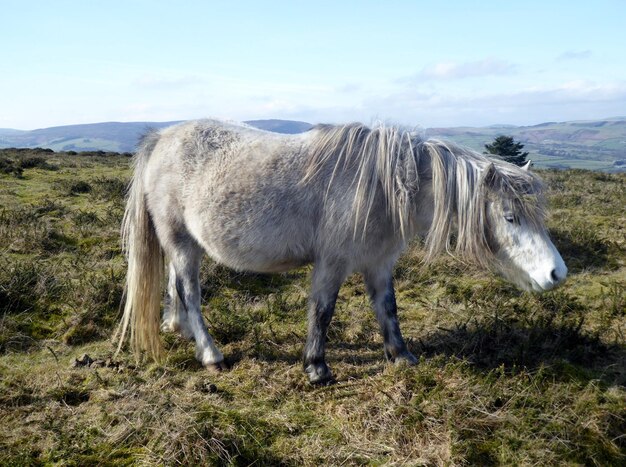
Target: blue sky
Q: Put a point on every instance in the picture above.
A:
(422, 63)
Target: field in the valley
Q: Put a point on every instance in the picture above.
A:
(504, 377)
(592, 145)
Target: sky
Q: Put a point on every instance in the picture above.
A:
(418, 63)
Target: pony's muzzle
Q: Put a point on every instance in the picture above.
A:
(558, 274)
(556, 277)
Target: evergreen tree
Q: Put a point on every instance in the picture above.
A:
(506, 148)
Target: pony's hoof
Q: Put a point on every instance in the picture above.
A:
(406, 359)
(168, 326)
(210, 358)
(175, 327)
(217, 367)
(319, 374)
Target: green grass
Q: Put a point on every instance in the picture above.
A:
(504, 377)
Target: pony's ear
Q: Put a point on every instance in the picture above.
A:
(527, 165)
(489, 176)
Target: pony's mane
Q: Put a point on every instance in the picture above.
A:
(398, 161)
(380, 157)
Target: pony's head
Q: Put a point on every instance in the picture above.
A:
(516, 233)
(491, 213)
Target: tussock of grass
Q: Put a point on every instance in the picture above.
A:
(504, 377)
(37, 162)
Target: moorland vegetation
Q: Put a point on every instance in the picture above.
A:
(504, 377)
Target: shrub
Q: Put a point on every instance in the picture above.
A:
(54, 242)
(83, 218)
(80, 187)
(109, 188)
(37, 162)
(7, 166)
(29, 290)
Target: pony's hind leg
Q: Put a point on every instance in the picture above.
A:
(380, 289)
(184, 283)
(174, 314)
(325, 285)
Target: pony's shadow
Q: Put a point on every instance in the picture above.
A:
(215, 278)
(358, 354)
(566, 352)
(581, 249)
(569, 351)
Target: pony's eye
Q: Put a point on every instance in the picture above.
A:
(510, 218)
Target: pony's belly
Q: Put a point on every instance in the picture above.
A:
(248, 261)
(259, 240)
(262, 255)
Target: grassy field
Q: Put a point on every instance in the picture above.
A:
(504, 377)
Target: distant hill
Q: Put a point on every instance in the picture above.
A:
(109, 136)
(281, 126)
(9, 131)
(112, 136)
(593, 144)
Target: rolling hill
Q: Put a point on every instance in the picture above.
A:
(593, 144)
(111, 136)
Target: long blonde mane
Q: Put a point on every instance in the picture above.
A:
(398, 161)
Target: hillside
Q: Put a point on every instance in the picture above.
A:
(593, 145)
(111, 136)
(504, 377)
(596, 145)
(280, 126)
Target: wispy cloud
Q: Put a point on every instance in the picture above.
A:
(565, 101)
(455, 70)
(574, 55)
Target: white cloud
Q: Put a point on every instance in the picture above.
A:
(525, 106)
(455, 70)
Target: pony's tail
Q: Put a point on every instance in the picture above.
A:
(144, 255)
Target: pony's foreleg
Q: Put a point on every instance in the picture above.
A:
(383, 298)
(325, 285)
(174, 313)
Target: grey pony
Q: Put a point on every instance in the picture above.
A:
(346, 198)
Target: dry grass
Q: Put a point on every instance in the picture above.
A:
(504, 378)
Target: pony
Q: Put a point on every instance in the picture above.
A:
(346, 198)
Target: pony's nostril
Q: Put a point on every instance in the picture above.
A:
(553, 275)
